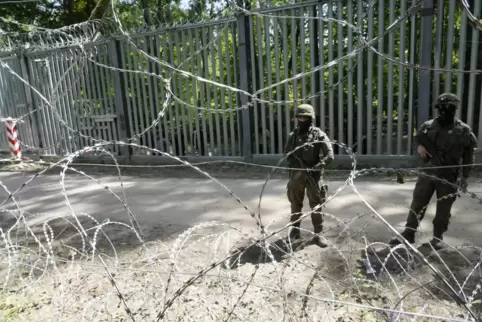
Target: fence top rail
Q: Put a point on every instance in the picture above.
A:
(288, 6)
(296, 5)
(87, 46)
(167, 29)
(7, 55)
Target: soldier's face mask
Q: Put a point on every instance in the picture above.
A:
(447, 113)
(304, 123)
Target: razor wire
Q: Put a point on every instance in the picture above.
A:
(195, 284)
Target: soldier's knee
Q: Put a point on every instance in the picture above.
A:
(418, 206)
(442, 219)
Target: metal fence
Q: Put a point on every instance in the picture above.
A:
(110, 89)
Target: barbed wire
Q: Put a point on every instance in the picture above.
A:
(203, 275)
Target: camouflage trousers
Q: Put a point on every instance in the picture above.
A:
(423, 192)
(298, 183)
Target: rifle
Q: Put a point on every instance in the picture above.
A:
(323, 188)
(437, 158)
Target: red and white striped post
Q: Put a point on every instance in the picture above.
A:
(11, 127)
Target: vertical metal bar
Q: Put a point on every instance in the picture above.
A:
(141, 92)
(269, 78)
(192, 50)
(214, 69)
(360, 84)
(89, 98)
(302, 53)
(44, 79)
(53, 101)
(294, 63)
(106, 108)
(21, 99)
(438, 51)
(182, 129)
(369, 132)
(341, 108)
(278, 88)
(133, 107)
(43, 131)
(70, 64)
(473, 65)
(401, 83)
(390, 82)
(260, 30)
(254, 84)
(82, 99)
(321, 51)
(331, 112)
(350, 119)
(381, 83)
(174, 107)
(411, 84)
(461, 55)
(223, 91)
(30, 103)
(164, 133)
(425, 61)
(146, 66)
(450, 46)
(9, 99)
(128, 89)
(286, 96)
(311, 26)
(157, 105)
(201, 93)
(244, 85)
(136, 90)
(208, 87)
(105, 93)
(6, 110)
(237, 115)
(188, 127)
(3, 110)
(110, 85)
(98, 92)
(120, 94)
(61, 99)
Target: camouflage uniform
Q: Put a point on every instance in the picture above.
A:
(315, 156)
(454, 143)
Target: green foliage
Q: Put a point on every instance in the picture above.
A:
(280, 46)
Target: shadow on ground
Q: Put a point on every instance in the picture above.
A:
(276, 251)
(457, 269)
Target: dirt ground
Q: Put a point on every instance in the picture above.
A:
(174, 245)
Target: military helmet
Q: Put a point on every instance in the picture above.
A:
(447, 99)
(306, 110)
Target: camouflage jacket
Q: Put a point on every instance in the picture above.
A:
(320, 153)
(454, 145)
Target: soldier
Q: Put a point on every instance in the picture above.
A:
(443, 141)
(312, 157)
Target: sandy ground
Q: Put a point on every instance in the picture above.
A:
(188, 222)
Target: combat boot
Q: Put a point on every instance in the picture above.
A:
(437, 240)
(319, 240)
(408, 234)
(295, 228)
(437, 243)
